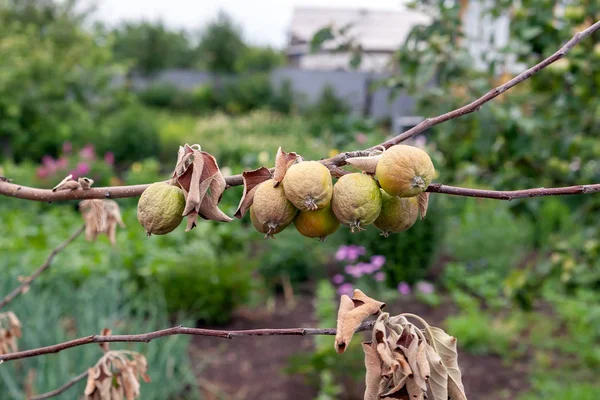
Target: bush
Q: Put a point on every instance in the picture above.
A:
(132, 134)
(245, 93)
(61, 311)
(408, 254)
(162, 95)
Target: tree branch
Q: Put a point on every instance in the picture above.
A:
(178, 330)
(513, 194)
(61, 389)
(27, 281)
(333, 163)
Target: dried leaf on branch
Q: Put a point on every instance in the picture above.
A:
(101, 217)
(10, 331)
(423, 204)
(283, 161)
(251, 181)
(401, 361)
(366, 164)
(352, 312)
(116, 376)
(203, 184)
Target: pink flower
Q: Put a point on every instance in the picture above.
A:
(404, 288)
(353, 252)
(379, 277)
(62, 163)
(88, 153)
(425, 287)
(67, 147)
(48, 161)
(338, 279)
(109, 158)
(345, 288)
(42, 172)
(82, 169)
(361, 138)
(377, 262)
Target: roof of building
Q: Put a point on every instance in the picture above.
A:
(379, 30)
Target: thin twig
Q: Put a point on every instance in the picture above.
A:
(27, 281)
(178, 330)
(333, 163)
(61, 389)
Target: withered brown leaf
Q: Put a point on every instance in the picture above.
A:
(415, 392)
(101, 217)
(283, 161)
(422, 362)
(366, 164)
(67, 184)
(351, 314)
(373, 375)
(446, 348)
(423, 204)
(251, 181)
(203, 184)
(438, 381)
(411, 355)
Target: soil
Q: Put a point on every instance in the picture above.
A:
(251, 368)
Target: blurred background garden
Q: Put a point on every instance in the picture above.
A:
(517, 282)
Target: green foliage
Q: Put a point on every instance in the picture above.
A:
(556, 389)
(131, 134)
(60, 311)
(245, 93)
(55, 78)
(221, 44)
(259, 59)
(150, 47)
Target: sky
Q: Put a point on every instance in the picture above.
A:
(264, 22)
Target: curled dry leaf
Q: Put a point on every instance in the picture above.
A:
(352, 312)
(10, 331)
(411, 353)
(445, 346)
(116, 376)
(422, 362)
(251, 181)
(283, 161)
(373, 375)
(85, 183)
(366, 164)
(101, 217)
(423, 204)
(203, 184)
(67, 184)
(438, 381)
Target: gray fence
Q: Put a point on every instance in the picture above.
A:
(355, 88)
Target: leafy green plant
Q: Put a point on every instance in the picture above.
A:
(63, 311)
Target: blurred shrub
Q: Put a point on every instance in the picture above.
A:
(329, 105)
(59, 311)
(132, 134)
(291, 255)
(145, 171)
(162, 95)
(408, 254)
(283, 100)
(245, 93)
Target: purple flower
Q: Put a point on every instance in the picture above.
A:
(377, 262)
(338, 279)
(67, 147)
(365, 268)
(341, 253)
(42, 172)
(404, 288)
(345, 288)
(353, 252)
(379, 277)
(109, 158)
(353, 270)
(48, 161)
(87, 153)
(425, 287)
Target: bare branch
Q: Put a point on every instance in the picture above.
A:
(27, 281)
(513, 194)
(178, 330)
(61, 389)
